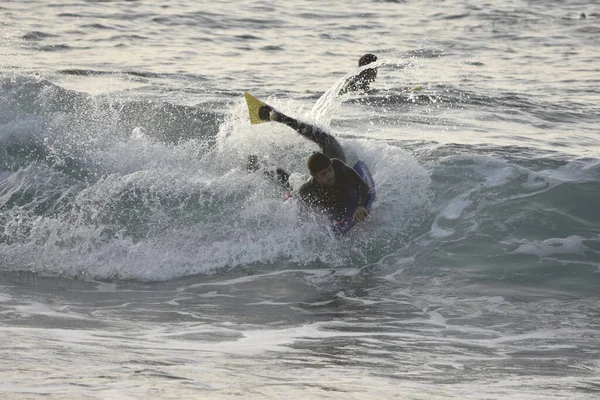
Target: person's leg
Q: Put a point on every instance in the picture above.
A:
(279, 175)
(328, 144)
(282, 177)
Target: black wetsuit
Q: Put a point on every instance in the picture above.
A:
(348, 183)
(361, 82)
(328, 144)
(334, 199)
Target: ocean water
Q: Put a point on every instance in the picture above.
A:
(139, 259)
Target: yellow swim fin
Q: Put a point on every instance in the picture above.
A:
(259, 111)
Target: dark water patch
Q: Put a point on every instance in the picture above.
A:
(81, 72)
(146, 74)
(30, 96)
(562, 211)
(160, 375)
(37, 35)
(55, 47)
(529, 157)
(43, 103)
(122, 37)
(28, 119)
(130, 212)
(342, 37)
(453, 16)
(167, 122)
(332, 16)
(382, 100)
(38, 321)
(591, 30)
(205, 20)
(133, 211)
(512, 16)
(75, 32)
(162, 20)
(243, 48)
(354, 27)
(247, 37)
(97, 26)
(441, 94)
(557, 221)
(561, 114)
(254, 24)
(502, 104)
(202, 39)
(261, 8)
(18, 154)
(272, 48)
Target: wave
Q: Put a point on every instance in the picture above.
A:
(128, 187)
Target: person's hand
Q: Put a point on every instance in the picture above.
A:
(360, 214)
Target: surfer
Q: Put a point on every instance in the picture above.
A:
(332, 181)
(363, 80)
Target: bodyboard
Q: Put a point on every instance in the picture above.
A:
(254, 106)
(341, 226)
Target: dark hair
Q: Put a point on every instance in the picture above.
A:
(317, 162)
(367, 59)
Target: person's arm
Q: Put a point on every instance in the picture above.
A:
(360, 82)
(362, 189)
(358, 182)
(351, 85)
(360, 213)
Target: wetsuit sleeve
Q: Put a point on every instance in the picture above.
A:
(354, 179)
(357, 83)
(351, 86)
(310, 132)
(328, 144)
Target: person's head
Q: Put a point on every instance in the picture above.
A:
(321, 169)
(367, 59)
(368, 74)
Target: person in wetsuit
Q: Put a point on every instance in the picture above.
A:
(363, 80)
(332, 181)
